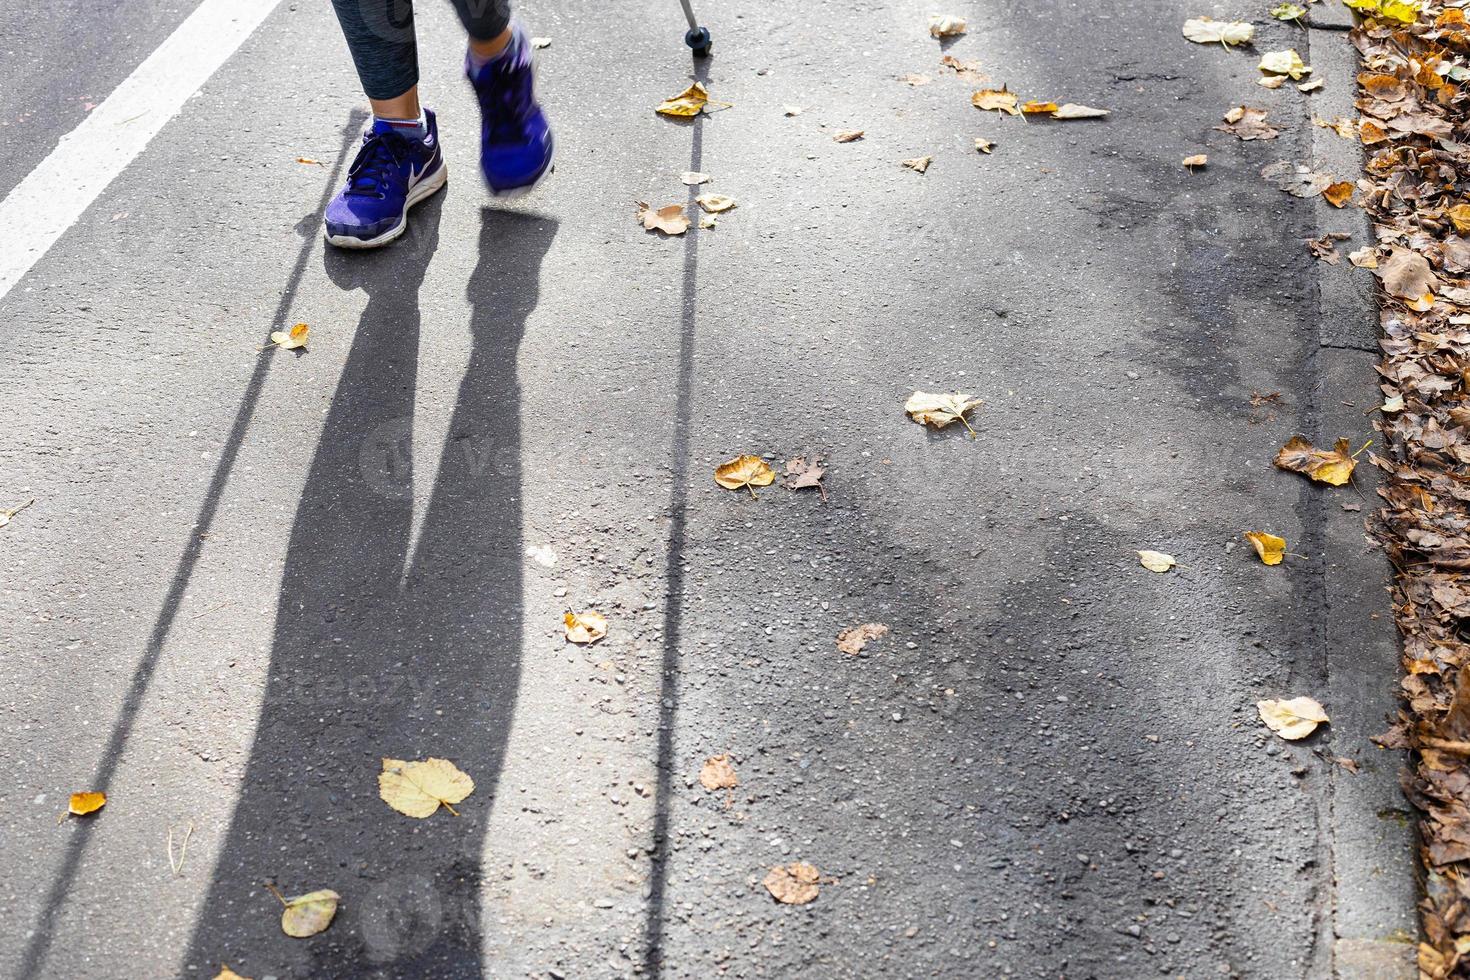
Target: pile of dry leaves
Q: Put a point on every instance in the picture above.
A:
(1415, 123)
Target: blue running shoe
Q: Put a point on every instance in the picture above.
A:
(391, 174)
(516, 147)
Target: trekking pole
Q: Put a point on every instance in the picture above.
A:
(696, 37)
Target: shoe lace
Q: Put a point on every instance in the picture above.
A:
(381, 156)
(505, 100)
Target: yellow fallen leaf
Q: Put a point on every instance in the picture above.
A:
(997, 99)
(416, 789)
(1334, 466)
(225, 973)
(945, 25)
(1365, 257)
(1272, 82)
(1289, 11)
(1338, 194)
(1391, 405)
(918, 164)
(690, 102)
(744, 472)
(1198, 160)
(984, 146)
(82, 804)
(585, 627)
(1286, 62)
(307, 915)
(847, 135)
(296, 337)
(717, 773)
(1294, 719)
(1460, 215)
(939, 409)
(310, 161)
(1206, 30)
(793, 884)
(714, 203)
(1402, 11)
(1268, 546)
(1310, 86)
(1072, 110)
(1032, 108)
(852, 641)
(669, 219)
(1156, 561)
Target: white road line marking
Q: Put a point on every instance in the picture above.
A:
(50, 199)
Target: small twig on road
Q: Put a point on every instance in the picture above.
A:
(227, 602)
(178, 866)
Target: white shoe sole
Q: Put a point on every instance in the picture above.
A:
(421, 190)
(523, 191)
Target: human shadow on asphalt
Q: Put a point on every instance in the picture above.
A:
(390, 640)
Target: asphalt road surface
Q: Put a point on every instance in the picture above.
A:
(249, 575)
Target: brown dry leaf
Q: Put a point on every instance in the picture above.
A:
(847, 135)
(1345, 128)
(968, 71)
(1365, 257)
(1268, 546)
(793, 884)
(715, 203)
(1294, 719)
(939, 409)
(306, 915)
(1248, 123)
(1460, 215)
(1272, 82)
(1325, 248)
(1338, 194)
(744, 473)
(1072, 110)
(693, 178)
(584, 627)
(1198, 160)
(669, 219)
(852, 641)
(984, 146)
(225, 973)
(717, 773)
(946, 25)
(996, 99)
(291, 339)
(1156, 561)
(82, 804)
(1334, 466)
(917, 164)
(1407, 274)
(801, 474)
(690, 102)
(417, 789)
(1207, 30)
(1295, 179)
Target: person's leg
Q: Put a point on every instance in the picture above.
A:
(400, 162)
(516, 147)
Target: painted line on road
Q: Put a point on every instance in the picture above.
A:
(51, 198)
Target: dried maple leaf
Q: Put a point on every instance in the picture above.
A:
(291, 339)
(1294, 719)
(669, 219)
(1459, 215)
(1286, 62)
(984, 146)
(1407, 274)
(1334, 466)
(1268, 546)
(1198, 160)
(793, 884)
(996, 99)
(847, 135)
(1295, 179)
(917, 164)
(939, 409)
(1206, 30)
(307, 915)
(584, 627)
(82, 804)
(417, 789)
(801, 474)
(1248, 123)
(714, 203)
(717, 773)
(852, 641)
(946, 25)
(690, 102)
(1156, 561)
(745, 472)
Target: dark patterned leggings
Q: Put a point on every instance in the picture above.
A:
(380, 36)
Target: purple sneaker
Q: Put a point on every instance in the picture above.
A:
(516, 147)
(391, 174)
